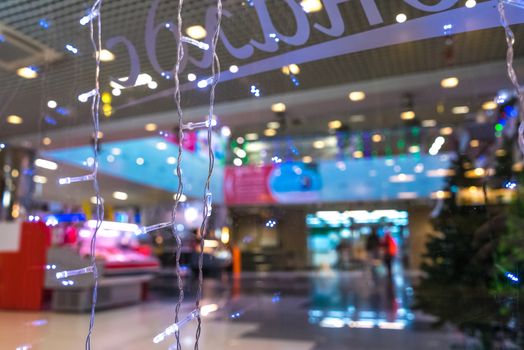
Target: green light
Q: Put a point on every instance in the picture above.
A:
(499, 127)
(401, 143)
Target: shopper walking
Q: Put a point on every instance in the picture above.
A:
(373, 250)
(390, 251)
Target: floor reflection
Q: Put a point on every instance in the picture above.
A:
(291, 310)
(361, 300)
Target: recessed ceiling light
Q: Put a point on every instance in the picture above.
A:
(319, 144)
(294, 69)
(460, 110)
(407, 115)
(358, 118)
(429, 123)
(471, 3)
(161, 146)
(335, 124)
(278, 107)
(474, 143)
(501, 152)
(225, 131)
(27, 72)
(171, 160)
(251, 136)
(237, 162)
(121, 196)
(240, 153)
(39, 179)
(233, 69)
(14, 119)
(449, 83)
(376, 138)
(116, 92)
(151, 127)
(94, 200)
(152, 85)
(414, 149)
(401, 18)
(310, 6)
(446, 131)
(46, 141)
(202, 84)
(307, 159)
(116, 151)
(273, 125)
(46, 164)
(358, 154)
(441, 195)
(196, 32)
(191, 77)
(52, 104)
(106, 56)
(270, 132)
(140, 161)
(356, 96)
(182, 199)
(489, 105)
(110, 158)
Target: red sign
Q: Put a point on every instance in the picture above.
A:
(248, 185)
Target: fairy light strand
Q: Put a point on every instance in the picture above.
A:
(215, 75)
(180, 189)
(510, 40)
(95, 108)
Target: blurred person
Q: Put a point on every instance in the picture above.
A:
(373, 250)
(390, 250)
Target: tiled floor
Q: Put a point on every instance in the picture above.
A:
(275, 311)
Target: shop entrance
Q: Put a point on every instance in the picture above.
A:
(338, 239)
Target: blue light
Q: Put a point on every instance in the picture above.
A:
(2, 38)
(255, 91)
(294, 80)
(510, 111)
(235, 315)
(71, 49)
(271, 223)
(502, 96)
(49, 120)
(62, 111)
(44, 23)
(69, 217)
(512, 277)
(276, 298)
(167, 76)
(510, 185)
(274, 37)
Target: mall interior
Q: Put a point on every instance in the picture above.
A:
(231, 174)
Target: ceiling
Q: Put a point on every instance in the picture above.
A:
(387, 72)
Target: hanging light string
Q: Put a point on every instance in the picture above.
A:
(180, 190)
(93, 176)
(95, 108)
(510, 40)
(215, 75)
